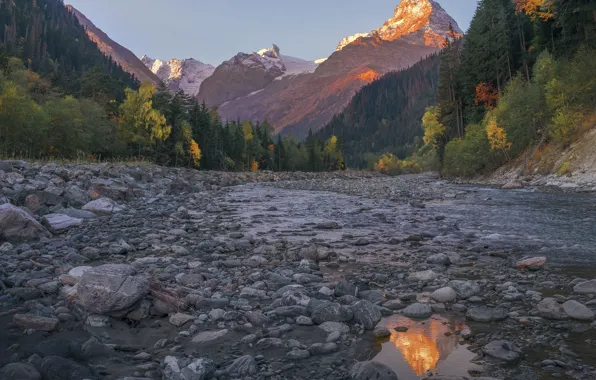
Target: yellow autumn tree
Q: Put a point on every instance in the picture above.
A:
(140, 124)
(254, 166)
(543, 9)
(187, 146)
(497, 137)
(433, 129)
(195, 152)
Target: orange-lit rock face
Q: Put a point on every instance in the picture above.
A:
(368, 75)
(410, 16)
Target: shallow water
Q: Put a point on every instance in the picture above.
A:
(429, 345)
(559, 226)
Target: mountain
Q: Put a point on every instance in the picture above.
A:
(186, 75)
(245, 74)
(124, 57)
(306, 101)
(385, 115)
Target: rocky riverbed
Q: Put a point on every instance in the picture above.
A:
(124, 272)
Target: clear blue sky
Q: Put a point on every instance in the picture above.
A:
(215, 30)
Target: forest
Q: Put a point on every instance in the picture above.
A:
(60, 97)
(523, 77)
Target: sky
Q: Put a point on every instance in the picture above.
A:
(213, 31)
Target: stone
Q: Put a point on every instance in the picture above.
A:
(418, 310)
(111, 287)
(57, 368)
(291, 311)
(325, 311)
(371, 371)
(298, 355)
(427, 275)
(19, 371)
(304, 321)
(209, 336)
(180, 319)
(374, 296)
(78, 214)
(366, 313)
(439, 259)
(32, 202)
(549, 308)
(502, 350)
(578, 311)
(322, 348)
(330, 327)
(17, 226)
(187, 368)
(103, 206)
(345, 288)
(381, 332)
(464, 289)
(329, 225)
(394, 305)
(444, 295)
(513, 185)
(586, 287)
(486, 314)
(30, 321)
(532, 263)
(243, 366)
(58, 223)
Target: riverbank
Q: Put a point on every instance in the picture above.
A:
(154, 272)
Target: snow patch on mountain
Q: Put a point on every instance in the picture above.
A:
(414, 21)
(186, 74)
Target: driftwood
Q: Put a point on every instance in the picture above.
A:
(158, 291)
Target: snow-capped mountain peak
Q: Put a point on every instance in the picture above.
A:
(414, 21)
(186, 74)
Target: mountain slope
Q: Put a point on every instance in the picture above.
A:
(186, 75)
(244, 74)
(119, 53)
(385, 116)
(309, 101)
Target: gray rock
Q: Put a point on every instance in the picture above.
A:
(346, 288)
(187, 368)
(330, 327)
(578, 311)
(291, 311)
(371, 371)
(17, 226)
(427, 275)
(549, 308)
(502, 350)
(304, 321)
(103, 206)
(439, 259)
(19, 371)
(487, 314)
(418, 310)
(325, 311)
(465, 289)
(180, 319)
(298, 355)
(57, 368)
(31, 321)
(322, 348)
(381, 332)
(394, 305)
(209, 336)
(243, 366)
(58, 223)
(366, 313)
(373, 296)
(111, 287)
(586, 287)
(78, 214)
(444, 295)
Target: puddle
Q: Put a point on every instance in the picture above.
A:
(429, 345)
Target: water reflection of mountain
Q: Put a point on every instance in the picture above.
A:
(425, 344)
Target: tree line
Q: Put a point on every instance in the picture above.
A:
(523, 76)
